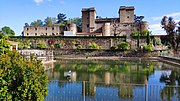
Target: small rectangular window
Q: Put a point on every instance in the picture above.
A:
(35, 28)
(53, 28)
(46, 34)
(27, 34)
(35, 34)
(27, 28)
(87, 25)
(46, 28)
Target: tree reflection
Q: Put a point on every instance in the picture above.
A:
(171, 80)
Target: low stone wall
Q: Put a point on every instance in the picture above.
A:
(90, 52)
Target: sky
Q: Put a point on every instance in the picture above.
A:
(15, 13)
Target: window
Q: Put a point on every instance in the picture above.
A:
(52, 33)
(46, 28)
(35, 34)
(35, 28)
(27, 34)
(27, 28)
(46, 34)
(56, 33)
(128, 17)
(87, 25)
(52, 28)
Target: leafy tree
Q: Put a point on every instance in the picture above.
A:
(169, 26)
(78, 22)
(22, 79)
(49, 21)
(61, 18)
(123, 46)
(137, 33)
(138, 18)
(25, 44)
(37, 23)
(26, 24)
(7, 31)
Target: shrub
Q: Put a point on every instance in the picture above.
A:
(93, 46)
(123, 46)
(41, 45)
(4, 46)
(22, 79)
(148, 48)
(59, 44)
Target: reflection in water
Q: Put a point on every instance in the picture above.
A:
(123, 73)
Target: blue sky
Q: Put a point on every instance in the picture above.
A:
(14, 13)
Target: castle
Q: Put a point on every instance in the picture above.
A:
(93, 25)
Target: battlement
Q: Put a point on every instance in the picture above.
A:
(88, 9)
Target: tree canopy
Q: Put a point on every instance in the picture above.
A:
(7, 31)
(37, 23)
(169, 25)
(61, 18)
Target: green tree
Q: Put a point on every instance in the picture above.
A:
(22, 79)
(61, 18)
(78, 22)
(169, 26)
(37, 23)
(136, 33)
(49, 21)
(7, 31)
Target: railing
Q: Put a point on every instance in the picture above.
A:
(93, 91)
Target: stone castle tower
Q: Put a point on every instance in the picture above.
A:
(122, 26)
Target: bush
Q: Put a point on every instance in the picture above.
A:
(59, 44)
(148, 48)
(123, 46)
(41, 45)
(93, 46)
(22, 79)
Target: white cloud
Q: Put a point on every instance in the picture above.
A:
(156, 29)
(177, 14)
(38, 1)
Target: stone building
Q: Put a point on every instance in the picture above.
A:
(93, 25)
(122, 26)
(48, 30)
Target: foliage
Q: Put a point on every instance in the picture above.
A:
(123, 46)
(135, 33)
(59, 44)
(61, 18)
(41, 45)
(138, 18)
(148, 48)
(77, 44)
(4, 45)
(25, 44)
(169, 25)
(8, 31)
(21, 79)
(93, 46)
(157, 41)
(78, 22)
(49, 21)
(37, 23)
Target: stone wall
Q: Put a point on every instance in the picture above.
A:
(90, 53)
(105, 43)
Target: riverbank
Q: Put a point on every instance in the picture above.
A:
(170, 61)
